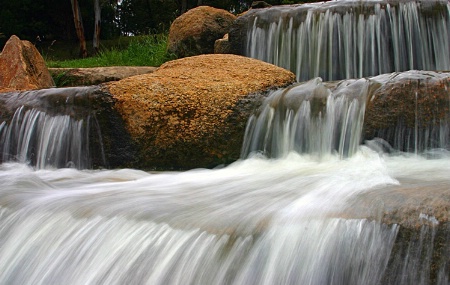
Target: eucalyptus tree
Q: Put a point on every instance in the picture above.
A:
(97, 5)
(97, 21)
(79, 28)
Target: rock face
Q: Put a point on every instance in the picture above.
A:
(421, 213)
(222, 45)
(410, 110)
(196, 31)
(22, 67)
(192, 112)
(96, 75)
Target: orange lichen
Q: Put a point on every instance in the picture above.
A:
(192, 99)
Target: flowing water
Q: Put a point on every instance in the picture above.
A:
(36, 137)
(258, 221)
(309, 118)
(280, 215)
(352, 39)
(297, 208)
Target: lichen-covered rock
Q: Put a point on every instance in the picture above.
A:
(192, 112)
(22, 67)
(196, 31)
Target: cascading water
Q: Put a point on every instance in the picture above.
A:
(289, 219)
(196, 227)
(306, 204)
(351, 39)
(52, 128)
(324, 118)
(46, 141)
(309, 118)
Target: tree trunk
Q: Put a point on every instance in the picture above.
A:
(97, 13)
(79, 27)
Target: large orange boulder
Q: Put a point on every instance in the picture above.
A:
(192, 112)
(196, 31)
(22, 67)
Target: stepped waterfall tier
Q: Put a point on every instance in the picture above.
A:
(62, 127)
(408, 111)
(310, 202)
(57, 141)
(349, 39)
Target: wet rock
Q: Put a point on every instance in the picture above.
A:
(22, 67)
(410, 110)
(421, 212)
(192, 112)
(65, 77)
(238, 33)
(196, 31)
(412, 204)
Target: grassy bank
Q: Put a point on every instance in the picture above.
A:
(131, 51)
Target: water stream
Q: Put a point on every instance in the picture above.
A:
(280, 215)
(352, 39)
(303, 205)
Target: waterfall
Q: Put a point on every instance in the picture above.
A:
(257, 221)
(195, 227)
(351, 39)
(56, 128)
(43, 140)
(406, 112)
(335, 184)
(120, 251)
(309, 118)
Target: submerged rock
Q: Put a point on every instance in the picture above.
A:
(421, 211)
(22, 67)
(196, 31)
(410, 110)
(192, 112)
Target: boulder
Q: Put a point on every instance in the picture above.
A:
(95, 75)
(222, 45)
(196, 31)
(420, 212)
(410, 110)
(22, 67)
(192, 112)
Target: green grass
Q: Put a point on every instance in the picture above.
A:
(139, 51)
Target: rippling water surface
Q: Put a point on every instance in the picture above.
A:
(257, 221)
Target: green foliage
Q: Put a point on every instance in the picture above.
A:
(62, 80)
(142, 51)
